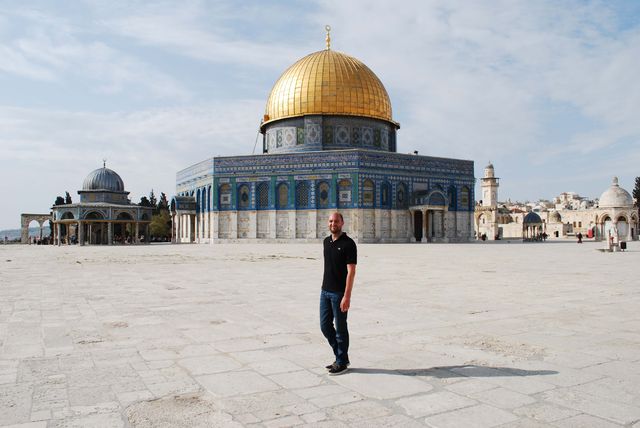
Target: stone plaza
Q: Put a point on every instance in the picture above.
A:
(492, 334)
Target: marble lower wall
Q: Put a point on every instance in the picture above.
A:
(363, 225)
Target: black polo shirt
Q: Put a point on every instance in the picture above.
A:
(337, 255)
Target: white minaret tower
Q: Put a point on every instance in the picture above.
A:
(489, 187)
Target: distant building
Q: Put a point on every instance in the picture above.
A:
(613, 214)
(104, 215)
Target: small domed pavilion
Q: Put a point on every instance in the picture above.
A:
(532, 227)
(104, 215)
(617, 218)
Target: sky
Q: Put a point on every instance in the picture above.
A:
(546, 90)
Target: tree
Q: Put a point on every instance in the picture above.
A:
(160, 225)
(67, 198)
(144, 202)
(163, 203)
(59, 201)
(153, 200)
(636, 194)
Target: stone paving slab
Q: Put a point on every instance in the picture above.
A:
(473, 335)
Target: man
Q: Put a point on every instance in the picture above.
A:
(340, 258)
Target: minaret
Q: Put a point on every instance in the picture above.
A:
(489, 187)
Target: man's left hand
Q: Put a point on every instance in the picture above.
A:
(345, 303)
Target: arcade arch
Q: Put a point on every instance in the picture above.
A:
(27, 219)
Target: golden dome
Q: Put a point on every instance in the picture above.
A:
(328, 82)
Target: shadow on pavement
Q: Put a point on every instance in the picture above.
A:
(458, 371)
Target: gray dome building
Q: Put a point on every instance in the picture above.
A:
(104, 215)
(103, 179)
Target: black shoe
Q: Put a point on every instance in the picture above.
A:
(334, 363)
(338, 369)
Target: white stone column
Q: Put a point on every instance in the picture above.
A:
(178, 228)
(207, 225)
(81, 233)
(412, 225)
(425, 219)
(214, 226)
(137, 240)
(59, 233)
(110, 233)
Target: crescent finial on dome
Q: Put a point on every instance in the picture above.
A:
(328, 38)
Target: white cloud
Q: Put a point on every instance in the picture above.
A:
(48, 152)
(183, 32)
(15, 62)
(54, 50)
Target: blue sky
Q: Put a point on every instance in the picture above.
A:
(546, 90)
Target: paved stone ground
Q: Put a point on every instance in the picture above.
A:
(476, 335)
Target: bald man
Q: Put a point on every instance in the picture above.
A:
(340, 259)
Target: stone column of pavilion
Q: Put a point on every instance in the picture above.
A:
(81, 233)
(58, 233)
(425, 219)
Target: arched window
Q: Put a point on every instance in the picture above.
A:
(302, 195)
(198, 198)
(94, 215)
(322, 195)
(368, 193)
(124, 216)
(436, 199)
(262, 196)
(464, 198)
(225, 195)
(453, 200)
(385, 195)
(209, 198)
(401, 196)
(283, 196)
(344, 193)
(244, 197)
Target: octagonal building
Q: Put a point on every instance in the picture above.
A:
(329, 144)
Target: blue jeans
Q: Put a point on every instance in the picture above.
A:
(330, 314)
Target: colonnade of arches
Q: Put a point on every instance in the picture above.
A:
(94, 228)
